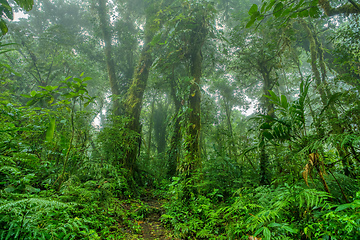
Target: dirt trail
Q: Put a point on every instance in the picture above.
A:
(151, 226)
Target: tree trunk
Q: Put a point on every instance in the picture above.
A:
(135, 96)
(174, 151)
(228, 110)
(193, 157)
(160, 128)
(268, 108)
(151, 122)
(104, 27)
(192, 160)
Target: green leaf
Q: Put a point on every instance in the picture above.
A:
(49, 88)
(263, 7)
(270, 5)
(265, 125)
(286, 12)
(273, 97)
(3, 27)
(294, 15)
(258, 231)
(274, 224)
(278, 9)
(51, 129)
(289, 229)
(26, 95)
(284, 102)
(267, 233)
(342, 207)
(4, 2)
(261, 17)
(250, 23)
(304, 13)
(31, 102)
(253, 9)
(314, 12)
(25, 4)
(7, 10)
(268, 135)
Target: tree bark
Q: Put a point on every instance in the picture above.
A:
(105, 29)
(135, 96)
(192, 159)
(160, 128)
(197, 39)
(174, 151)
(151, 123)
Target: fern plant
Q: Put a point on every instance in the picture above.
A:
(273, 212)
(33, 218)
(337, 222)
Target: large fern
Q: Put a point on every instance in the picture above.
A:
(269, 210)
(35, 218)
(36, 203)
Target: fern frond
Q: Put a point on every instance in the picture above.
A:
(10, 170)
(32, 202)
(312, 198)
(6, 160)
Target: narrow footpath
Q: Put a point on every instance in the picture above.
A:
(151, 226)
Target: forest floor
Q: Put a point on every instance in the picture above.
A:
(150, 226)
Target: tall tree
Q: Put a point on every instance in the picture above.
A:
(135, 94)
(200, 14)
(108, 39)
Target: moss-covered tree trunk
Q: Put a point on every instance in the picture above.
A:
(106, 33)
(134, 99)
(192, 160)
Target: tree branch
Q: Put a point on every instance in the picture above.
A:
(352, 7)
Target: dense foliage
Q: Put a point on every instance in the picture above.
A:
(179, 119)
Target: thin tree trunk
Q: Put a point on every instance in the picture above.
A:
(229, 125)
(268, 108)
(151, 122)
(174, 151)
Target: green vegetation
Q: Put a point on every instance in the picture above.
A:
(179, 119)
